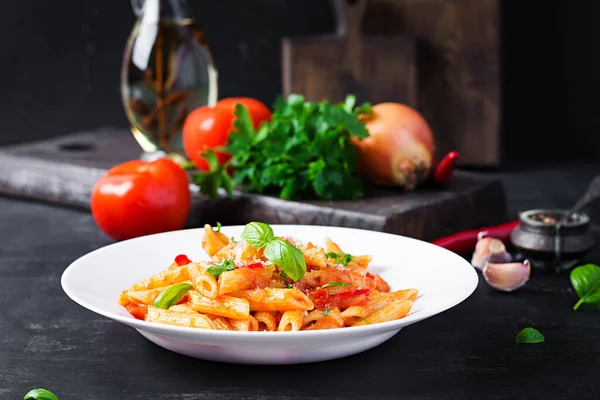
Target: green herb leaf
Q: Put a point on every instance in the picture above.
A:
(529, 336)
(586, 282)
(233, 240)
(346, 259)
(287, 256)
(217, 176)
(287, 280)
(171, 295)
(365, 320)
(305, 150)
(40, 394)
(335, 284)
(218, 227)
(340, 257)
(257, 234)
(218, 269)
(326, 312)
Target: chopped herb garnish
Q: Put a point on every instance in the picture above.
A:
(233, 240)
(287, 280)
(218, 269)
(218, 227)
(335, 284)
(340, 258)
(365, 320)
(326, 312)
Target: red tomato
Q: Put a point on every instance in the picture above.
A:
(138, 312)
(208, 127)
(258, 111)
(139, 198)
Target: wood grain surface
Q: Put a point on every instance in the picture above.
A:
(64, 170)
(459, 87)
(376, 68)
(467, 352)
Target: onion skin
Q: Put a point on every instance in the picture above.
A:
(400, 148)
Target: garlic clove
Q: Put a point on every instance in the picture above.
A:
(489, 249)
(506, 276)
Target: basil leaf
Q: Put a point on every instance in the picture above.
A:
(218, 227)
(218, 269)
(171, 295)
(529, 336)
(586, 282)
(346, 259)
(326, 312)
(331, 254)
(287, 256)
(335, 284)
(257, 234)
(40, 394)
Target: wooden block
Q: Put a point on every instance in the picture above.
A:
(374, 68)
(63, 171)
(459, 88)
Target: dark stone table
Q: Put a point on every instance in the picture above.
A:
(468, 352)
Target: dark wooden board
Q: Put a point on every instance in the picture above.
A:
(375, 68)
(64, 170)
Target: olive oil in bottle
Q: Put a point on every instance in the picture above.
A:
(167, 72)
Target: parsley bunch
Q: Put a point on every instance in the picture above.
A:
(305, 151)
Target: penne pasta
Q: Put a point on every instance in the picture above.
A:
(179, 318)
(250, 292)
(161, 280)
(213, 242)
(266, 320)
(353, 314)
(291, 321)
(143, 296)
(275, 299)
(249, 324)
(203, 282)
(245, 278)
(331, 321)
(392, 311)
(222, 306)
(221, 324)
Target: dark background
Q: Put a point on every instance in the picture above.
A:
(60, 64)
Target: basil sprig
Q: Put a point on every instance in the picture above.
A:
(529, 336)
(40, 394)
(586, 282)
(340, 257)
(335, 284)
(171, 295)
(282, 253)
(218, 269)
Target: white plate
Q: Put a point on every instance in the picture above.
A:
(443, 278)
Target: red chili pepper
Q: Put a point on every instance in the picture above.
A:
(182, 260)
(442, 171)
(254, 265)
(464, 242)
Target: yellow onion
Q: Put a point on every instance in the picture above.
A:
(400, 148)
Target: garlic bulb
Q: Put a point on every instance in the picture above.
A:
(508, 276)
(489, 249)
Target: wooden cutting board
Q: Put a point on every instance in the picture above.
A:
(63, 171)
(374, 68)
